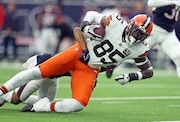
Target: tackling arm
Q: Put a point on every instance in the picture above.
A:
(79, 37)
(89, 17)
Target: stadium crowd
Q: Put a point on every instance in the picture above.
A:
(46, 26)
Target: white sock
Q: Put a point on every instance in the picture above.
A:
(22, 78)
(67, 105)
(8, 96)
(1, 93)
(31, 100)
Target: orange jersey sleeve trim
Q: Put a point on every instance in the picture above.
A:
(144, 54)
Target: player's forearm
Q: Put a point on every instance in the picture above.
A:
(148, 73)
(159, 3)
(79, 37)
(93, 16)
(146, 69)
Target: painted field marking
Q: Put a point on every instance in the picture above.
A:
(132, 98)
(115, 102)
(173, 106)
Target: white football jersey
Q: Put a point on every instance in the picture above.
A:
(112, 50)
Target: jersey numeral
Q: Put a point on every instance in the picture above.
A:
(174, 13)
(120, 19)
(106, 47)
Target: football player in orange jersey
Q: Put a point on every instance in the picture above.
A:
(121, 41)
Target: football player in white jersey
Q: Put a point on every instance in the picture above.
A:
(165, 15)
(121, 41)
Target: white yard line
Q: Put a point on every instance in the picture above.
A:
(132, 98)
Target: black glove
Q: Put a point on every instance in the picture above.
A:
(85, 56)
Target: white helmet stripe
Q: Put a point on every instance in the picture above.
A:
(147, 22)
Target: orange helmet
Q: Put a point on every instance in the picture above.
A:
(139, 28)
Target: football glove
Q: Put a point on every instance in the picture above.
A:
(89, 32)
(83, 25)
(123, 79)
(85, 56)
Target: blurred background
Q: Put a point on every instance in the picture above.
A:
(29, 27)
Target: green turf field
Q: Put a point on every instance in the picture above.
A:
(156, 99)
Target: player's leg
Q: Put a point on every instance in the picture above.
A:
(62, 62)
(58, 64)
(22, 93)
(82, 84)
(48, 89)
(20, 79)
(171, 47)
(154, 38)
(12, 97)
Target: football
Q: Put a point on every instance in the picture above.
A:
(95, 31)
(99, 30)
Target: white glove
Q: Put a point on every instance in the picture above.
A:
(89, 32)
(176, 2)
(43, 105)
(123, 79)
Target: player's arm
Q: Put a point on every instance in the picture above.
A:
(146, 71)
(146, 68)
(93, 25)
(91, 16)
(79, 35)
(159, 3)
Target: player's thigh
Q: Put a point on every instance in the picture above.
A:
(48, 89)
(171, 46)
(62, 62)
(82, 83)
(25, 91)
(157, 36)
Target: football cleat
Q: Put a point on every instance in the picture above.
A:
(109, 71)
(27, 108)
(40, 106)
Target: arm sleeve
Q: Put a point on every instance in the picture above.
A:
(159, 3)
(93, 16)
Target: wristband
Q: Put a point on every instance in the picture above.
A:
(135, 76)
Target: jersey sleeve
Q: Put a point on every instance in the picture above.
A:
(144, 49)
(113, 19)
(144, 54)
(93, 16)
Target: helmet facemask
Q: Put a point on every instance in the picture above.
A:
(135, 33)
